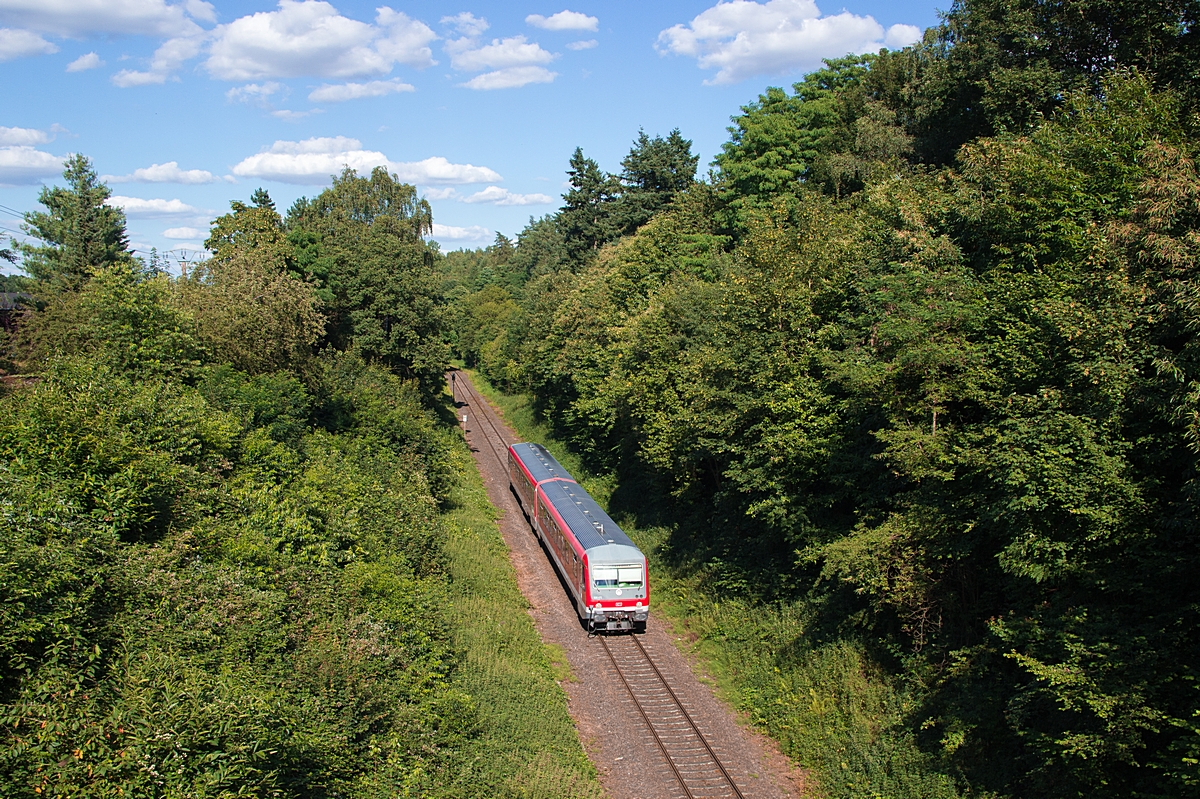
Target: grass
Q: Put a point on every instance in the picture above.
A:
(528, 746)
(819, 697)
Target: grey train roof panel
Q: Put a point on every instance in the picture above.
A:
(540, 463)
(584, 516)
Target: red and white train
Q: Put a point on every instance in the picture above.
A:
(605, 572)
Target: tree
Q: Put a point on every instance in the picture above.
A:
(586, 218)
(81, 233)
(653, 172)
(250, 227)
(361, 241)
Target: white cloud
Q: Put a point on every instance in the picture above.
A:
(252, 92)
(169, 57)
(313, 161)
(353, 91)
(310, 37)
(81, 18)
(85, 62)
(466, 23)
(501, 53)
(586, 44)
(498, 196)
(564, 21)
(19, 44)
(288, 115)
(164, 173)
(22, 165)
(741, 38)
(452, 233)
(152, 209)
(183, 233)
(24, 136)
(900, 36)
(511, 78)
(441, 194)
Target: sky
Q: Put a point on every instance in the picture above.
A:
(184, 106)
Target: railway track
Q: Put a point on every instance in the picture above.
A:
(691, 758)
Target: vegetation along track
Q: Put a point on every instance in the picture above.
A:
(693, 762)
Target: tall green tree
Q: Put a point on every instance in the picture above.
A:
(586, 217)
(79, 231)
(362, 242)
(651, 174)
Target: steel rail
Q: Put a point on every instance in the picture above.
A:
(485, 411)
(688, 717)
(662, 746)
(477, 403)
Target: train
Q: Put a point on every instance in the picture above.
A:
(605, 572)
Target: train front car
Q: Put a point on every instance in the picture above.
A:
(613, 592)
(605, 572)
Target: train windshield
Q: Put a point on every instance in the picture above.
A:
(617, 577)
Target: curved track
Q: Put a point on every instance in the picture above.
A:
(693, 762)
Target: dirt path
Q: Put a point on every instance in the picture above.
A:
(613, 734)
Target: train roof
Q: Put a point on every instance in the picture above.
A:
(540, 463)
(588, 522)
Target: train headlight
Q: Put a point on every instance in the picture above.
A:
(639, 616)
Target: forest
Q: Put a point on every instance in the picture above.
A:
(242, 548)
(905, 395)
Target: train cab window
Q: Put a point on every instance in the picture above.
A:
(619, 577)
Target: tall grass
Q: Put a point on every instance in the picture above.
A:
(527, 746)
(817, 694)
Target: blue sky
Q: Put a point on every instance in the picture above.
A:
(186, 105)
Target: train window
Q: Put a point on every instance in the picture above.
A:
(617, 577)
(629, 578)
(604, 578)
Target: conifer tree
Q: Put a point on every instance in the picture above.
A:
(80, 233)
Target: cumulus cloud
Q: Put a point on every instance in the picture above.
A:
(26, 136)
(511, 78)
(312, 161)
(441, 194)
(900, 36)
(564, 21)
(500, 54)
(85, 62)
(310, 37)
(164, 173)
(586, 44)
(742, 38)
(169, 57)
(19, 44)
(81, 18)
(452, 233)
(136, 207)
(498, 196)
(184, 233)
(466, 23)
(22, 164)
(353, 91)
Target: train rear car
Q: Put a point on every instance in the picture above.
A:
(604, 570)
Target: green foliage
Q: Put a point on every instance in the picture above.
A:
(919, 446)
(81, 234)
(224, 567)
(122, 317)
(360, 242)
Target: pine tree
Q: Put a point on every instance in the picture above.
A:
(81, 234)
